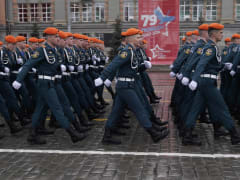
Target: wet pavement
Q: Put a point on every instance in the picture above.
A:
(42, 165)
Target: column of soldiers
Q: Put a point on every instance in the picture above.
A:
(64, 76)
(196, 92)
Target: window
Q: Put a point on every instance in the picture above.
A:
(46, 12)
(22, 13)
(128, 11)
(87, 12)
(184, 10)
(34, 12)
(99, 36)
(211, 10)
(237, 10)
(197, 9)
(182, 34)
(75, 11)
(99, 12)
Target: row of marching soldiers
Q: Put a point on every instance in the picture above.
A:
(57, 75)
(196, 95)
(60, 75)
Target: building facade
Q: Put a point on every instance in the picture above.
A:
(96, 17)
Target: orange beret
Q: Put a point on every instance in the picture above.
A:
(41, 40)
(123, 33)
(132, 31)
(236, 36)
(10, 39)
(51, 31)
(69, 34)
(85, 37)
(189, 33)
(27, 46)
(102, 42)
(62, 35)
(144, 41)
(195, 32)
(203, 27)
(20, 38)
(33, 40)
(227, 39)
(216, 26)
(90, 39)
(1, 43)
(77, 36)
(184, 39)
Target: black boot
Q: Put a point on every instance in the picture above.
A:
(218, 132)
(45, 131)
(84, 121)
(153, 101)
(75, 137)
(108, 138)
(157, 136)
(23, 121)
(13, 128)
(1, 135)
(158, 121)
(159, 128)
(79, 128)
(34, 138)
(124, 126)
(156, 97)
(117, 131)
(90, 115)
(235, 138)
(2, 125)
(189, 140)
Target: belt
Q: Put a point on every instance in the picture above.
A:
(4, 74)
(193, 70)
(94, 67)
(126, 79)
(238, 66)
(74, 73)
(212, 76)
(66, 73)
(101, 66)
(52, 78)
(58, 76)
(14, 72)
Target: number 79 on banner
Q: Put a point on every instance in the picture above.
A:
(149, 20)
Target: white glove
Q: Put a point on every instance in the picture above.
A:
(71, 68)
(193, 85)
(16, 85)
(63, 68)
(87, 67)
(185, 81)
(80, 68)
(228, 66)
(99, 59)
(19, 61)
(172, 74)
(148, 64)
(94, 62)
(98, 82)
(232, 72)
(171, 66)
(6, 70)
(19, 69)
(179, 76)
(116, 80)
(94, 57)
(34, 70)
(107, 83)
(149, 58)
(107, 59)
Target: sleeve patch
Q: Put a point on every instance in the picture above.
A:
(123, 54)
(35, 54)
(208, 52)
(199, 51)
(187, 51)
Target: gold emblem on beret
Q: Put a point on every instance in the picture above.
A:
(35, 54)
(208, 52)
(123, 54)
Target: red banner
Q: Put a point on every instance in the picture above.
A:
(159, 19)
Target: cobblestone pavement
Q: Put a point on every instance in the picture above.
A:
(41, 166)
